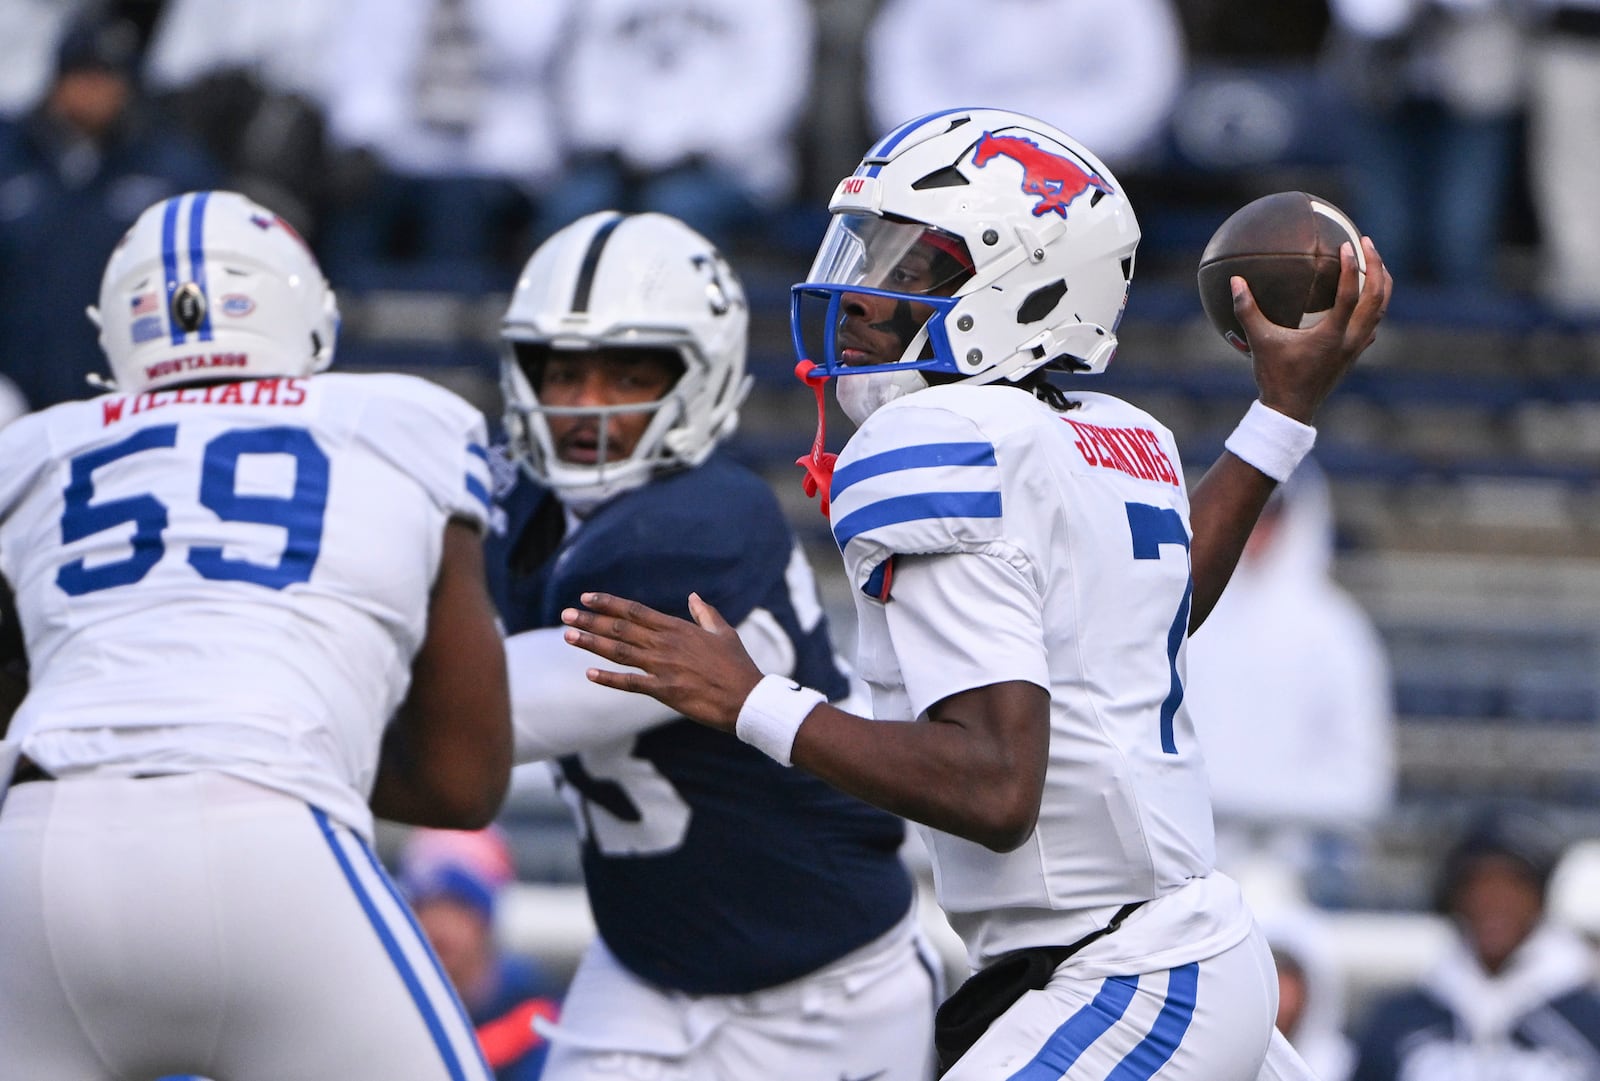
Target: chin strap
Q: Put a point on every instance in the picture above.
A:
(818, 465)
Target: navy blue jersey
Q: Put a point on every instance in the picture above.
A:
(710, 868)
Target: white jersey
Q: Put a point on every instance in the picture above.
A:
(233, 577)
(988, 539)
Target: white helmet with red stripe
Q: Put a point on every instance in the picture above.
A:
(210, 285)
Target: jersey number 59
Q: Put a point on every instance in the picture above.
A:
(298, 514)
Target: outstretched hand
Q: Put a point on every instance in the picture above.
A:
(1296, 369)
(698, 669)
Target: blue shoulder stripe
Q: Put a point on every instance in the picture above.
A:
(912, 508)
(921, 456)
(475, 487)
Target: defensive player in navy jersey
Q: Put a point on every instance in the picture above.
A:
(1025, 571)
(753, 922)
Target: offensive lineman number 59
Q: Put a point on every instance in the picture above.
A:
(299, 514)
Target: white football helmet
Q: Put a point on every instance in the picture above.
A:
(642, 281)
(209, 284)
(1032, 234)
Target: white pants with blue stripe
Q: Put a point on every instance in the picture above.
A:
(198, 924)
(1206, 1021)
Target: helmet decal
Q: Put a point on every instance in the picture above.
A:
(1044, 272)
(716, 290)
(190, 312)
(1057, 180)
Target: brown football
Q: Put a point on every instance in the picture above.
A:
(1286, 245)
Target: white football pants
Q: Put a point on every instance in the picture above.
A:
(199, 924)
(867, 1015)
(1207, 1021)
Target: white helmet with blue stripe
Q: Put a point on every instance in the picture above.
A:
(210, 285)
(1005, 246)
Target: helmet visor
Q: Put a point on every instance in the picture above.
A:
(896, 256)
(877, 297)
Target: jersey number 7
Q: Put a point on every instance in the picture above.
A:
(1151, 528)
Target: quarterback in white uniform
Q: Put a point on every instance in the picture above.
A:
(1025, 573)
(253, 613)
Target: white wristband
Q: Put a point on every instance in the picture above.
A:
(1270, 441)
(773, 713)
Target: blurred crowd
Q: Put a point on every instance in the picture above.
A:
(431, 144)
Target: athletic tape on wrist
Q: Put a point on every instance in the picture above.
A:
(772, 714)
(1270, 441)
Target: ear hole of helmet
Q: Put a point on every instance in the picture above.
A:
(947, 177)
(1041, 302)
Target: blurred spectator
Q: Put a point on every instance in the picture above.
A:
(1107, 75)
(445, 103)
(29, 30)
(1434, 92)
(246, 78)
(1513, 999)
(1311, 1004)
(1288, 684)
(453, 881)
(686, 107)
(1564, 152)
(1254, 29)
(74, 174)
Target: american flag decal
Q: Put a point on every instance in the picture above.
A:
(143, 304)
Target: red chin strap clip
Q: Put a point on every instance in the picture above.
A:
(818, 465)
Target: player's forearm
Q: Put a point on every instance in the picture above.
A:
(962, 773)
(446, 763)
(557, 711)
(447, 772)
(446, 758)
(1223, 509)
